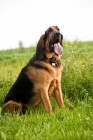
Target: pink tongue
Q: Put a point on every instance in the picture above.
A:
(57, 48)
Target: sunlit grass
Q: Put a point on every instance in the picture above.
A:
(75, 121)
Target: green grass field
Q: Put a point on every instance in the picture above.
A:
(75, 121)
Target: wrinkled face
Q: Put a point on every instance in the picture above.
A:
(50, 44)
(53, 39)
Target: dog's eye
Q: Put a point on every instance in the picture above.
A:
(50, 30)
(57, 28)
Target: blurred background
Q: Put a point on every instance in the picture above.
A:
(22, 22)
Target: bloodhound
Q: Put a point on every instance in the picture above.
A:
(40, 77)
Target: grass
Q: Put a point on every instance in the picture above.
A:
(75, 121)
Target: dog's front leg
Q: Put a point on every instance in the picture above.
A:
(46, 101)
(58, 95)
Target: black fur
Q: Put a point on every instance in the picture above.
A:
(22, 89)
(38, 66)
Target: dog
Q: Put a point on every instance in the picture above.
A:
(40, 77)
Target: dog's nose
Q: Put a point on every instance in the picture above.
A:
(57, 33)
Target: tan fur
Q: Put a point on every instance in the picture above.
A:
(45, 84)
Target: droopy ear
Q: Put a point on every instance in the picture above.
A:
(40, 48)
(61, 43)
(45, 35)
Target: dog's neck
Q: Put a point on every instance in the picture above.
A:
(53, 61)
(52, 58)
(50, 55)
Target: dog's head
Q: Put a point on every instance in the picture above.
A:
(50, 43)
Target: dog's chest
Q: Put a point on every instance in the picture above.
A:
(56, 72)
(52, 86)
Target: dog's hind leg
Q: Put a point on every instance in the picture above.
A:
(13, 106)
